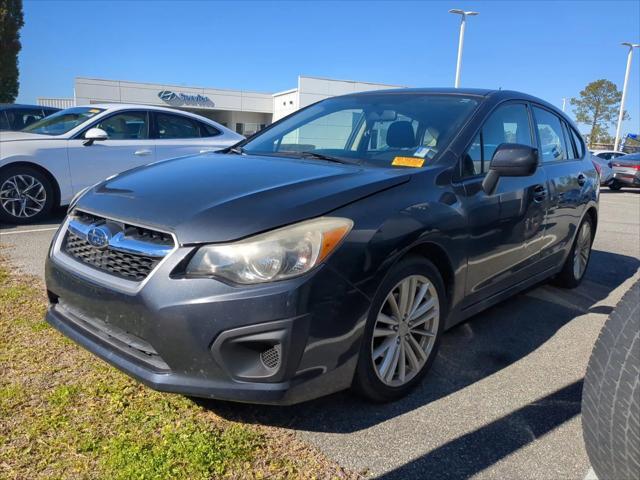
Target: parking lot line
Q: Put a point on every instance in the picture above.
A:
(16, 232)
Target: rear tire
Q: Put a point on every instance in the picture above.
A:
(575, 266)
(410, 343)
(26, 195)
(610, 408)
(615, 186)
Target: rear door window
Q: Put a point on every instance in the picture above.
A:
(207, 130)
(552, 140)
(176, 126)
(4, 123)
(578, 143)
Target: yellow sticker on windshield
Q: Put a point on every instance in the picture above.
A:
(94, 110)
(414, 162)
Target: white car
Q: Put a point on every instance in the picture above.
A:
(50, 161)
(607, 154)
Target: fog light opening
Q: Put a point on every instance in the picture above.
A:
(271, 357)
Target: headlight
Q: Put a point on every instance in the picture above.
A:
(283, 253)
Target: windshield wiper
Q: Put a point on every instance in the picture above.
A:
(235, 150)
(330, 158)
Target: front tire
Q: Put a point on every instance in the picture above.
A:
(26, 195)
(576, 264)
(403, 331)
(610, 412)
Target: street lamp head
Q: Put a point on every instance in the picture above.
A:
(462, 12)
(631, 45)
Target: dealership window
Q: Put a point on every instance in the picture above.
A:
(249, 128)
(508, 124)
(176, 126)
(552, 141)
(126, 126)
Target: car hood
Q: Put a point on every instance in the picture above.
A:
(220, 198)
(19, 136)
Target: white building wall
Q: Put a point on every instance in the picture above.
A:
(56, 102)
(313, 89)
(285, 103)
(90, 90)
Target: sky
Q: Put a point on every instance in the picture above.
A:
(550, 49)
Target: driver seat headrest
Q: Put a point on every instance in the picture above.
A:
(400, 135)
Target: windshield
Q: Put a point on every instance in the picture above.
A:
(63, 121)
(383, 130)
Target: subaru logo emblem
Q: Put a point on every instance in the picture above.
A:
(167, 95)
(99, 236)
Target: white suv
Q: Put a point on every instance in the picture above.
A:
(50, 161)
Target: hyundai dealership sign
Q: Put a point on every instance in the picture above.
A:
(178, 98)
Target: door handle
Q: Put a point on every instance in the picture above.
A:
(142, 153)
(208, 150)
(581, 179)
(539, 193)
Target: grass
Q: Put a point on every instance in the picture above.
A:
(66, 414)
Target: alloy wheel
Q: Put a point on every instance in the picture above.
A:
(22, 196)
(582, 250)
(405, 330)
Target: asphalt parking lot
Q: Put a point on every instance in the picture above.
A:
(503, 398)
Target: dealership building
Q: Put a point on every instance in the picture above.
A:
(243, 111)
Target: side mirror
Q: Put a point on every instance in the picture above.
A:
(94, 134)
(510, 160)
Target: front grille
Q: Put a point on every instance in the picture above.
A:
(125, 265)
(120, 257)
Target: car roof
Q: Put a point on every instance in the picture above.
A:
(137, 106)
(496, 95)
(11, 106)
(128, 106)
(479, 92)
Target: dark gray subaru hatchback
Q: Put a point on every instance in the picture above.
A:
(329, 251)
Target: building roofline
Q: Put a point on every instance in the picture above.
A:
(315, 77)
(173, 85)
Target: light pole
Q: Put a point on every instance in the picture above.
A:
(624, 90)
(463, 18)
(564, 103)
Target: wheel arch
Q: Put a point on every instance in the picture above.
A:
(41, 169)
(437, 255)
(592, 213)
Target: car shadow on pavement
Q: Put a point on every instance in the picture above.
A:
(475, 451)
(469, 352)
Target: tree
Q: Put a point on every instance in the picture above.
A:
(598, 106)
(11, 21)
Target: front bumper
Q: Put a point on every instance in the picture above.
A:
(279, 343)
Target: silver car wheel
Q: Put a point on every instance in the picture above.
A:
(405, 330)
(582, 250)
(22, 196)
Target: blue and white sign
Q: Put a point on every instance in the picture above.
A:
(179, 98)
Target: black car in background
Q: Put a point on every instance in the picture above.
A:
(330, 250)
(14, 116)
